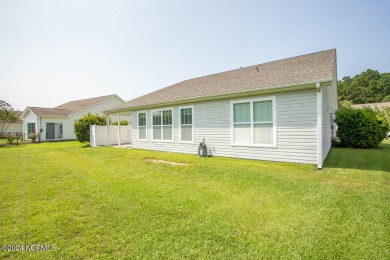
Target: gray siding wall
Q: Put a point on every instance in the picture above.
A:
(327, 110)
(296, 130)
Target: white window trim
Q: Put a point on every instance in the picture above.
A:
(162, 126)
(274, 121)
(55, 123)
(193, 125)
(35, 126)
(146, 126)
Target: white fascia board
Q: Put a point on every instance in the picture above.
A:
(25, 112)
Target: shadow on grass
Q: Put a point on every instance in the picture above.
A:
(362, 159)
(14, 145)
(9, 146)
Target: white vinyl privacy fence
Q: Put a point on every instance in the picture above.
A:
(110, 135)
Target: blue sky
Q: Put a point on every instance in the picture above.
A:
(52, 52)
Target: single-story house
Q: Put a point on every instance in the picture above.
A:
(277, 111)
(380, 105)
(15, 128)
(58, 123)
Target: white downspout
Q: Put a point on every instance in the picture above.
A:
(319, 126)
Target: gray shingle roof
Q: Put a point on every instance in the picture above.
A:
(77, 105)
(301, 69)
(372, 105)
(67, 108)
(41, 111)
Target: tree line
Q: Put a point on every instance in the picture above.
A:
(367, 127)
(370, 86)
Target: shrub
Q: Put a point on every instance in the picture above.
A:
(123, 122)
(361, 128)
(33, 136)
(386, 98)
(10, 138)
(386, 113)
(82, 126)
(345, 104)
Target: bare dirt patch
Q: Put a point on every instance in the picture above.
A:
(166, 162)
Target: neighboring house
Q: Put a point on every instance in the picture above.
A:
(15, 128)
(277, 111)
(373, 105)
(57, 123)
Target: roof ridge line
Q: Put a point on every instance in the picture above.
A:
(251, 66)
(50, 108)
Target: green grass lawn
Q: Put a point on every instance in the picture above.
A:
(114, 203)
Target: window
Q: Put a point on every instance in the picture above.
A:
(142, 126)
(54, 131)
(162, 125)
(241, 123)
(31, 128)
(254, 122)
(186, 124)
(156, 125)
(262, 122)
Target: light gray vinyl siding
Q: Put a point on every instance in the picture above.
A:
(296, 130)
(327, 109)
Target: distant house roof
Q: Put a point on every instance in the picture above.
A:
(68, 108)
(372, 105)
(317, 66)
(41, 111)
(77, 105)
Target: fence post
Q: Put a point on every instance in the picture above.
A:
(108, 130)
(119, 131)
(92, 137)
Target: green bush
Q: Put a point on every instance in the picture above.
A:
(386, 113)
(33, 136)
(82, 126)
(123, 122)
(11, 138)
(361, 128)
(386, 99)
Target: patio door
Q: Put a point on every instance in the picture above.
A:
(49, 131)
(53, 131)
